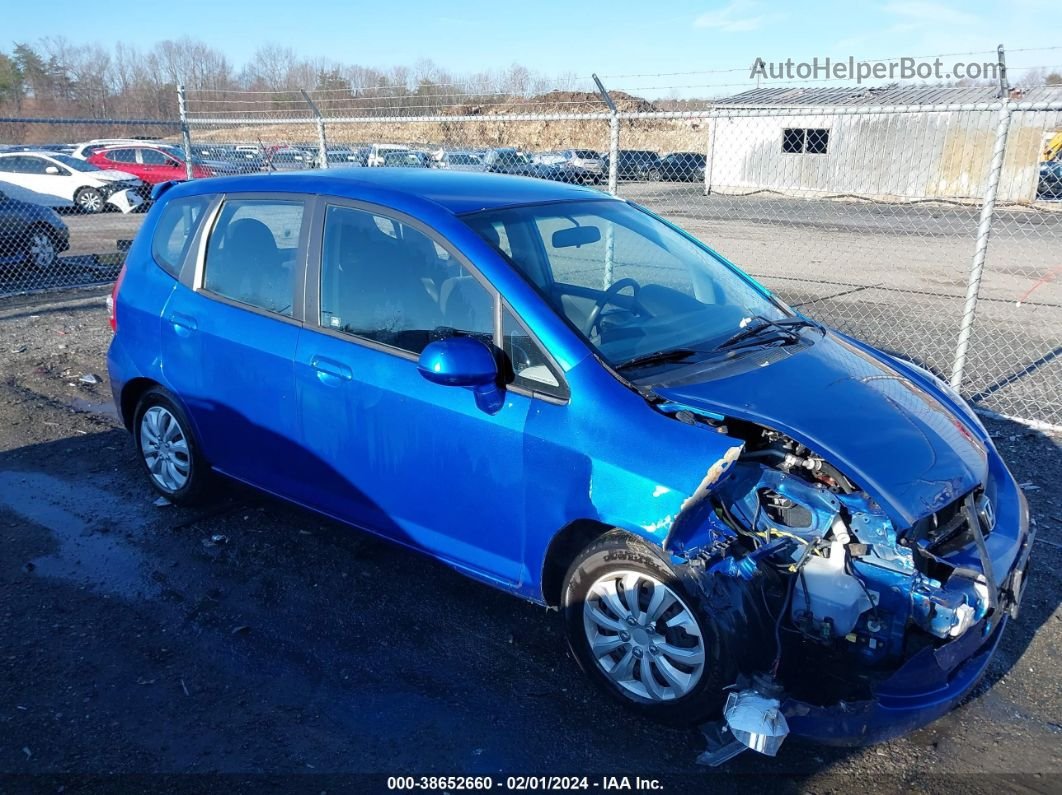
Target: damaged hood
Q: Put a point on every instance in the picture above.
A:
(890, 435)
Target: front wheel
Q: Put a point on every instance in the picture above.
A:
(167, 449)
(41, 251)
(89, 200)
(640, 632)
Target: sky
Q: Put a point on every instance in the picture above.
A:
(621, 40)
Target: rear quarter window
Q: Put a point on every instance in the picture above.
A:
(175, 230)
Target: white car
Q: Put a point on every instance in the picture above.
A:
(84, 151)
(57, 180)
(376, 154)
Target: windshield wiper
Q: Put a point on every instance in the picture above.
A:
(658, 357)
(785, 326)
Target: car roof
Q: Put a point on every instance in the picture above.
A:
(456, 191)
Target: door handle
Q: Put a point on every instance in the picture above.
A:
(184, 325)
(329, 371)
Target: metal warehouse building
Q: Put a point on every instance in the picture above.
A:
(896, 143)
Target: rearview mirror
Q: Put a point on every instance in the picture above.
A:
(51, 170)
(464, 362)
(576, 236)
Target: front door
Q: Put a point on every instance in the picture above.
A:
(396, 454)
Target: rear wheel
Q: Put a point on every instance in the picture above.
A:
(167, 449)
(640, 632)
(653, 175)
(89, 200)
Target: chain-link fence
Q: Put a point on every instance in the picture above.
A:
(870, 212)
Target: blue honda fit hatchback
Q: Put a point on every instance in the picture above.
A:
(562, 395)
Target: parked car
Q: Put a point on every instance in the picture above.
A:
(584, 166)
(245, 161)
(30, 234)
(1050, 184)
(407, 159)
(377, 151)
(58, 180)
(508, 160)
(289, 158)
(460, 363)
(154, 164)
(634, 164)
(347, 156)
(85, 150)
(683, 167)
(460, 161)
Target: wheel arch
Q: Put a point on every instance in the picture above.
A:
(133, 390)
(565, 546)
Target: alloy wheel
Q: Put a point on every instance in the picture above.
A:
(42, 252)
(164, 445)
(90, 201)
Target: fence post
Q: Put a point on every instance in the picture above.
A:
(710, 156)
(186, 136)
(322, 144)
(613, 137)
(984, 229)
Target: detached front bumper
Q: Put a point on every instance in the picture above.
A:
(935, 680)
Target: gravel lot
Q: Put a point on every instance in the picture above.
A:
(258, 641)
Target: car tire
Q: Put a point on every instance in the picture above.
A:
(653, 175)
(89, 201)
(41, 249)
(168, 450)
(670, 667)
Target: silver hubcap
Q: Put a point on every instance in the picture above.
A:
(41, 250)
(165, 448)
(91, 201)
(643, 636)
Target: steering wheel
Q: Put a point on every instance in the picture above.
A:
(609, 297)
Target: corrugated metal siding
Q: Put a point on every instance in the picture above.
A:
(931, 155)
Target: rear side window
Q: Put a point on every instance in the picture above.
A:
(175, 230)
(252, 253)
(121, 155)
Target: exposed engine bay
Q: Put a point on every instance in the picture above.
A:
(832, 598)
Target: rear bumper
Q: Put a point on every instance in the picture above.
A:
(935, 680)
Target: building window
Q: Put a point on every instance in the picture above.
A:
(802, 140)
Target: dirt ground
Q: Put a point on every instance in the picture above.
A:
(148, 648)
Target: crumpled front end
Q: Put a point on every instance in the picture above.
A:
(858, 630)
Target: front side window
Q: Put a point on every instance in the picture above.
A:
(632, 285)
(388, 282)
(152, 157)
(252, 252)
(35, 165)
(531, 368)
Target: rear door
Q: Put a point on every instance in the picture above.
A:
(394, 453)
(230, 333)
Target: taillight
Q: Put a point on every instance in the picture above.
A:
(112, 302)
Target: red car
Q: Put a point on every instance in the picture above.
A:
(151, 163)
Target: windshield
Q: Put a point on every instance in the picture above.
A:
(632, 285)
(73, 163)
